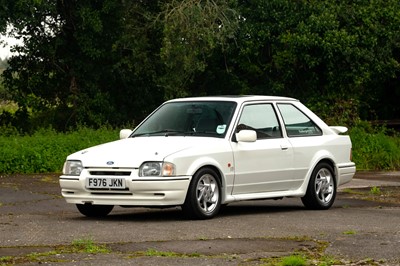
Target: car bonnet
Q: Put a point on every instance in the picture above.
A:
(132, 152)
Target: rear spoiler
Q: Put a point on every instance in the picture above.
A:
(338, 130)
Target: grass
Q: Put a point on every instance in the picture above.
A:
(45, 150)
(85, 245)
(350, 232)
(375, 148)
(68, 253)
(155, 253)
(384, 195)
(294, 260)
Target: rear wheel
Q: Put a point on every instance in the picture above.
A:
(90, 210)
(321, 191)
(203, 199)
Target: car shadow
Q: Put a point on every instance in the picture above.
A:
(248, 208)
(175, 213)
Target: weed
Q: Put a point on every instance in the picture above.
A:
(34, 256)
(294, 260)
(155, 253)
(88, 246)
(49, 179)
(5, 259)
(375, 191)
(350, 232)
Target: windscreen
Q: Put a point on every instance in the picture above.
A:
(202, 118)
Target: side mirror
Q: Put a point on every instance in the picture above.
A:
(125, 133)
(246, 135)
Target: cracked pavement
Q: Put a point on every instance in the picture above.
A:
(35, 219)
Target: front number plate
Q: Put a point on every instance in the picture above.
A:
(105, 182)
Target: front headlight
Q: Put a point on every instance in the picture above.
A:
(72, 168)
(157, 169)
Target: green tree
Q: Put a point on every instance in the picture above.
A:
(74, 66)
(319, 51)
(192, 33)
(113, 61)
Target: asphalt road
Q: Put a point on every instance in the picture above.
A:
(37, 226)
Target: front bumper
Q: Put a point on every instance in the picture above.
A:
(139, 191)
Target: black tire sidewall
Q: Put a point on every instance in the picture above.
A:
(90, 210)
(191, 207)
(311, 200)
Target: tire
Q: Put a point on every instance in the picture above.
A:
(203, 199)
(90, 210)
(321, 190)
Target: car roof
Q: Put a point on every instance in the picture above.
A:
(235, 98)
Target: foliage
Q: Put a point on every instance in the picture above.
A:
(319, 51)
(113, 61)
(73, 67)
(3, 63)
(88, 246)
(375, 191)
(192, 31)
(294, 260)
(374, 148)
(46, 150)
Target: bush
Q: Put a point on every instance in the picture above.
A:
(375, 148)
(46, 150)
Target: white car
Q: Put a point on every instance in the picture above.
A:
(201, 153)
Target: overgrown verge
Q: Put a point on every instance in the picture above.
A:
(45, 150)
(375, 148)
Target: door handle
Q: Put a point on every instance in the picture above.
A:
(284, 147)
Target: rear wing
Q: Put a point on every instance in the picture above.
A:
(339, 130)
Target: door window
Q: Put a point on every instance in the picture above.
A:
(261, 118)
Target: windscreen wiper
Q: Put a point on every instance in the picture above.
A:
(165, 132)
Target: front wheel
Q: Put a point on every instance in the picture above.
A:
(321, 190)
(90, 210)
(203, 199)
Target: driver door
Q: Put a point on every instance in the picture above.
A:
(266, 164)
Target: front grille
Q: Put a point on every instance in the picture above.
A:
(111, 173)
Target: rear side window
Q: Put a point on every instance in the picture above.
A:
(297, 124)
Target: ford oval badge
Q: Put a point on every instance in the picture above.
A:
(110, 163)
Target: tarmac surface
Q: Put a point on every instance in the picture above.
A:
(362, 228)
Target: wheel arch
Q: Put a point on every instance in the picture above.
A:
(323, 159)
(223, 171)
(219, 176)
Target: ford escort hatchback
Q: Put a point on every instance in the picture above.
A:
(202, 153)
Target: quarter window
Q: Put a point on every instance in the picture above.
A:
(297, 124)
(261, 118)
